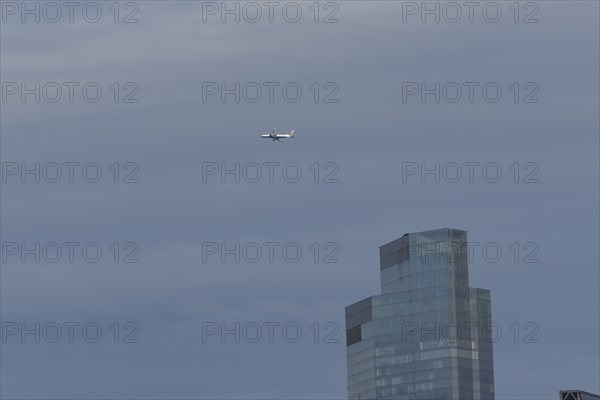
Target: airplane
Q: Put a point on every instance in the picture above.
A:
(278, 136)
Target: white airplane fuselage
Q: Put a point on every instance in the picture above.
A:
(278, 136)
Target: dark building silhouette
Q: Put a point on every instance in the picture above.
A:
(577, 395)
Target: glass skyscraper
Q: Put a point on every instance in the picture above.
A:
(427, 336)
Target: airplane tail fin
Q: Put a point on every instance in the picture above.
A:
(292, 133)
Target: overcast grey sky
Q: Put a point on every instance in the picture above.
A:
(365, 143)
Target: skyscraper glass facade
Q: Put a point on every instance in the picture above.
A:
(424, 337)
